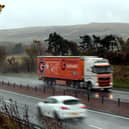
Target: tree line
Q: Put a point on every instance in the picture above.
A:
(110, 46)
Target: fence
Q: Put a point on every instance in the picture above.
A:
(60, 90)
(6, 110)
(101, 103)
(10, 110)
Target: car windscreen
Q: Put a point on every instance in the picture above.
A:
(71, 102)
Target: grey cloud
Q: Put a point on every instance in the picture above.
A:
(20, 13)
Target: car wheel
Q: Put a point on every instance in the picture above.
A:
(56, 116)
(39, 111)
(81, 119)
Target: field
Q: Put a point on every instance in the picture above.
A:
(121, 76)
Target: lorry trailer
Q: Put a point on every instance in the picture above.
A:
(89, 72)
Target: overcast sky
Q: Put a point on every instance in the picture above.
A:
(26, 13)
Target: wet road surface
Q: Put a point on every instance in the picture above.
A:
(95, 120)
(33, 82)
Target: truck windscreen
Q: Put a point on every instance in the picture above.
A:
(102, 69)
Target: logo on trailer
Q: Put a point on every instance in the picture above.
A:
(63, 65)
(41, 66)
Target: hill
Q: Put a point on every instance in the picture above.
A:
(27, 35)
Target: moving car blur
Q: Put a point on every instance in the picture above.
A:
(62, 107)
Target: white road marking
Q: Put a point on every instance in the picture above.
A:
(108, 114)
(93, 126)
(12, 92)
(39, 99)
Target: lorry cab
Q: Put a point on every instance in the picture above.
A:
(97, 73)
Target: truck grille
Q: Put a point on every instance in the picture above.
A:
(104, 81)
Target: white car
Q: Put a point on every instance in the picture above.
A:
(62, 107)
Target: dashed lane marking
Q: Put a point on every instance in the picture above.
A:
(93, 126)
(11, 92)
(108, 114)
(39, 99)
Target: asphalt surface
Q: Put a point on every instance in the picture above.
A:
(34, 82)
(95, 120)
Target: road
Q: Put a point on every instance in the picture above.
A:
(26, 81)
(95, 120)
(113, 95)
(34, 82)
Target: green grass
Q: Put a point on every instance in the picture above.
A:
(121, 76)
(121, 84)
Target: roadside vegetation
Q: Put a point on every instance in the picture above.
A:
(121, 76)
(6, 123)
(19, 58)
(10, 116)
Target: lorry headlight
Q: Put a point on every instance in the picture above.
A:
(96, 84)
(97, 95)
(110, 96)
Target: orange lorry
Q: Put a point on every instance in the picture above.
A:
(77, 71)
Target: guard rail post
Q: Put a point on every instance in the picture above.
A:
(53, 90)
(44, 89)
(2, 83)
(75, 93)
(14, 85)
(119, 102)
(102, 99)
(88, 96)
(64, 92)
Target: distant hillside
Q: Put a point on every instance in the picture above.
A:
(27, 35)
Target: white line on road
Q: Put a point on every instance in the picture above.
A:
(12, 92)
(39, 99)
(108, 114)
(93, 126)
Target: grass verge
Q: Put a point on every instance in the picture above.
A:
(121, 84)
(7, 123)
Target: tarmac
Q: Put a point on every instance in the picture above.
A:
(99, 104)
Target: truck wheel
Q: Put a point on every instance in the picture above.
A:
(54, 82)
(76, 84)
(49, 82)
(89, 86)
(45, 82)
(68, 83)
